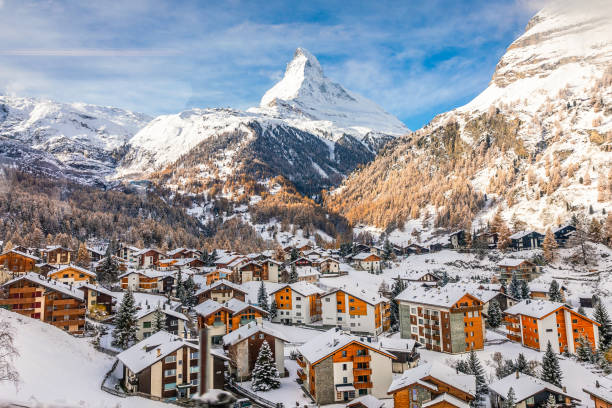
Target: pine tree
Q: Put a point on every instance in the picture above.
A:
(600, 315)
(262, 297)
(510, 401)
(463, 367)
(273, 310)
(549, 245)
(83, 258)
(293, 276)
(525, 294)
(387, 250)
(397, 288)
(522, 365)
(515, 288)
(554, 292)
(188, 292)
(551, 370)
(481, 384)
(444, 279)
(159, 320)
(179, 291)
(494, 319)
(581, 310)
(551, 402)
(109, 270)
(505, 368)
(124, 334)
(584, 351)
(265, 374)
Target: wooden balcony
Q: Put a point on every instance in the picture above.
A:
(300, 361)
(513, 329)
(67, 312)
(361, 371)
(19, 301)
(25, 290)
(62, 323)
(301, 375)
(62, 302)
(362, 359)
(361, 385)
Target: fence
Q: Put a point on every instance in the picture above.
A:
(110, 390)
(252, 396)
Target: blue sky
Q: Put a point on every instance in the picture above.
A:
(414, 58)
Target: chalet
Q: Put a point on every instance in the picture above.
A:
(302, 261)
(539, 291)
(600, 392)
(272, 269)
(219, 274)
(368, 262)
(243, 345)
(366, 401)
(526, 240)
(147, 281)
(250, 271)
(148, 257)
(225, 260)
(181, 253)
(163, 365)
(528, 392)
(359, 311)
(423, 277)
(400, 249)
(487, 295)
(18, 262)
(57, 255)
(72, 273)
(457, 239)
(99, 300)
(44, 268)
(95, 254)
(417, 249)
(535, 323)
(307, 274)
(563, 233)
(48, 300)
(522, 268)
(404, 350)
(336, 366)
(329, 265)
(128, 253)
(358, 247)
(175, 323)
(221, 291)
(433, 385)
(298, 303)
(485, 240)
(223, 318)
(447, 319)
(178, 263)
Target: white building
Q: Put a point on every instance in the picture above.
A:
(356, 310)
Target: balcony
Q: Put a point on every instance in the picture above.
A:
(361, 371)
(300, 361)
(18, 301)
(361, 385)
(362, 359)
(67, 312)
(68, 322)
(301, 375)
(64, 302)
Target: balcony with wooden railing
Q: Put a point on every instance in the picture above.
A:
(361, 385)
(301, 362)
(362, 359)
(361, 371)
(67, 312)
(20, 301)
(301, 374)
(61, 323)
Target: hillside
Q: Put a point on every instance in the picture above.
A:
(537, 143)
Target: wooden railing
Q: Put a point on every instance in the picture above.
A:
(361, 385)
(362, 359)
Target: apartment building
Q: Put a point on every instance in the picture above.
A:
(163, 366)
(223, 318)
(447, 319)
(48, 300)
(359, 311)
(534, 323)
(336, 366)
(298, 302)
(175, 322)
(522, 268)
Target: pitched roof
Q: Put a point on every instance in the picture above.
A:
(363, 255)
(441, 372)
(237, 306)
(97, 288)
(246, 331)
(520, 234)
(76, 268)
(397, 344)
(372, 298)
(368, 401)
(208, 307)
(52, 284)
(446, 398)
(534, 308)
(218, 283)
(307, 271)
(524, 387)
(146, 310)
(303, 288)
(602, 389)
(445, 296)
(22, 254)
(512, 262)
(331, 341)
(151, 350)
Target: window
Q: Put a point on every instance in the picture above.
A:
(327, 299)
(351, 300)
(298, 298)
(194, 381)
(169, 386)
(548, 330)
(169, 373)
(574, 320)
(343, 353)
(344, 380)
(413, 310)
(146, 325)
(195, 355)
(344, 367)
(170, 359)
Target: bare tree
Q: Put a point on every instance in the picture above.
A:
(8, 352)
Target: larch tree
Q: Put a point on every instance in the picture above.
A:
(83, 259)
(549, 245)
(265, 375)
(503, 237)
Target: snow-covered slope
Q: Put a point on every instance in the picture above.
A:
(303, 110)
(537, 141)
(83, 141)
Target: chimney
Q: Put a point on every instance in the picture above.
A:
(596, 384)
(564, 389)
(517, 374)
(158, 352)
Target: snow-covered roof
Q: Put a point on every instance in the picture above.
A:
(445, 296)
(368, 296)
(236, 306)
(146, 310)
(534, 308)
(524, 387)
(151, 350)
(303, 271)
(22, 254)
(208, 307)
(363, 255)
(511, 262)
(331, 341)
(221, 282)
(98, 251)
(97, 288)
(149, 273)
(602, 389)
(539, 287)
(415, 275)
(397, 344)
(144, 251)
(52, 284)
(520, 234)
(244, 332)
(303, 288)
(441, 372)
(368, 401)
(176, 251)
(76, 268)
(446, 398)
(50, 248)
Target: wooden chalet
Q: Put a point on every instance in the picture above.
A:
(522, 268)
(223, 318)
(529, 392)
(17, 262)
(99, 300)
(221, 291)
(57, 255)
(149, 257)
(526, 240)
(563, 233)
(72, 273)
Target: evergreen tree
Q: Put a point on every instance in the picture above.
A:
(212, 258)
(124, 334)
(525, 294)
(262, 297)
(463, 367)
(293, 276)
(159, 320)
(273, 310)
(600, 315)
(481, 384)
(510, 401)
(494, 319)
(505, 368)
(444, 279)
(551, 370)
(397, 288)
(179, 291)
(581, 310)
(554, 292)
(109, 270)
(584, 351)
(265, 374)
(189, 291)
(294, 254)
(515, 288)
(551, 402)
(522, 365)
(387, 250)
